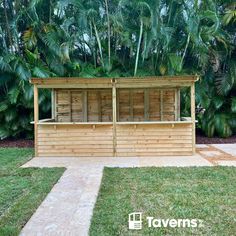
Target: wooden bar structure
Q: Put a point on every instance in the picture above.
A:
(138, 116)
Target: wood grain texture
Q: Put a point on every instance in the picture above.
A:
(36, 119)
(193, 118)
(74, 140)
(154, 140)
(97, 121)
(130, 140)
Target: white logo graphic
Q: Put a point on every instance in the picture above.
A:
(135, 220)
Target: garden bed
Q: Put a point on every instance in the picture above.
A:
(20, 143)
(200, 139)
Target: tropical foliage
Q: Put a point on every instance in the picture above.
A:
(90, 38)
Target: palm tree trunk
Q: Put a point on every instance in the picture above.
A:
(109, 34)
(145, 46)
(93, 46)
(196, 4)
(138, 49)
(185, 50)
(171, 3)
(99, 43)
(3, 39)
(50, 12)
(7, 25)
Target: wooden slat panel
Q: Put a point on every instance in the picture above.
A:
(132, 140)
(77, 106)
(160, 104)
(84, 105)
(106, 105)
(154, 154)
(62, 106)
(72, 140)
(124, 105)
(138, 105)
(154, 140)
(154, 105)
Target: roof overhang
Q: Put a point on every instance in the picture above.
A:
(123, 82)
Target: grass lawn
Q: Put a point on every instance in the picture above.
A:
(206, 193)
(21, 190)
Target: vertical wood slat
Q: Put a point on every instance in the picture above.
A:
(99, 106)
(193, 116)
(53, 103)
(36, 119)
(117, 106)
(176, 105)
(131, 105)
(146, 104)
(56, 105)
(85, 106)
(70, 105)
(114, 117)
(161, 105)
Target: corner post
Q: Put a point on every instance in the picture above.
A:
(177, 104)
(193, 117)
(53, 103)
(114, 115)
(36, 119)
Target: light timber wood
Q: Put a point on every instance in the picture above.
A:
(171, 143)
(161, 105)
(131, 105)
(178, 104)
(193, 116)
(85, 106)
(146, 104)
(70, 105)
(114, 119)
(117, 105)
(157, 84)
(99, 106)
(74, 140)
(53, 101)
(128, 82)
(36, 118)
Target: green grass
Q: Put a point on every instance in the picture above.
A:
(206, 193)
(21, 190)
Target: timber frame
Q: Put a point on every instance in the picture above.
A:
(138, 116)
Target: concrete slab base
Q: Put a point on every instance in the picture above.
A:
(228, 148)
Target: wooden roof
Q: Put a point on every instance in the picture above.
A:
(122, 82)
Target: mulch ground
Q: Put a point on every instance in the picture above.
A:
(21, 143)
(204, 140)
(200, 139)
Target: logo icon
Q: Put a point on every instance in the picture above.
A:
(135, 220)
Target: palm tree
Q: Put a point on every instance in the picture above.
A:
(117, 38)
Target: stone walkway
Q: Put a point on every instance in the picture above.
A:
(67, 209)
(219, 154)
